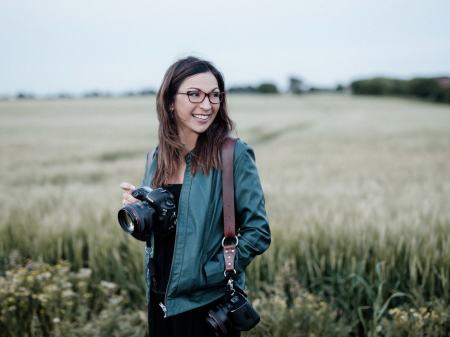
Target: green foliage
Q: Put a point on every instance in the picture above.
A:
(363, 282)
(422, 87)
(378, 86)
(287, 309)
(106, 251)
(40, 299)
(425, 88)
(267, 88)
(242, 90)
(421, 322)
(441, 95)
(307, 316)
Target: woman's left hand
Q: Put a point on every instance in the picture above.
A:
(127, 197)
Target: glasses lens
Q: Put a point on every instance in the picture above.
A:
(215, 97)
(196, 96)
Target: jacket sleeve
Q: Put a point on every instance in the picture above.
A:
(251, 216)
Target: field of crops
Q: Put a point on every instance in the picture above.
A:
(357, 192)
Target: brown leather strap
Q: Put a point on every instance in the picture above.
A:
(229, 251)
(229, 254)
(228, 188)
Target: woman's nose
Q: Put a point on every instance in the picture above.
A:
(206, 104)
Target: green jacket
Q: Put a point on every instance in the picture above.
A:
(197, 274)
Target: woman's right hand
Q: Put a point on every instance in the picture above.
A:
(127, 197)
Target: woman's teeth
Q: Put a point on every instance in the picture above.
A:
(203, 117)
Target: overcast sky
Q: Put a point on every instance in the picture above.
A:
(53, 46)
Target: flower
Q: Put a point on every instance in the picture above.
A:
(108, 285)
(68, 293)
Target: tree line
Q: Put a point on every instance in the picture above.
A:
(435, 89)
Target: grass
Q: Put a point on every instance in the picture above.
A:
(357, 191)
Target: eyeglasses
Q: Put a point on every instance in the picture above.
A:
(215, 97)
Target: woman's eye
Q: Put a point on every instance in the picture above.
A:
(194, 94)
(215, 94)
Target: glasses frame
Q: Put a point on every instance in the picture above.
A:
(206, 94)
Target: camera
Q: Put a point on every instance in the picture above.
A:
(155, 212)
(236, 312)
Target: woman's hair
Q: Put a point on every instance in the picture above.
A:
(207, 151)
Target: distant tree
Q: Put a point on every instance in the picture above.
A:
(267, 88)
(92, 94)
(378, 86)
(64, 95)
(295, 85)
(315, 89)
(435, 89)
(422, 87)
(147, 92)
(339, 88)
(23, 95)
(242, 90)
(441, 95)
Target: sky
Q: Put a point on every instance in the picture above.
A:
(61, 46)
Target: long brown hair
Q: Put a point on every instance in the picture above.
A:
(207, 152)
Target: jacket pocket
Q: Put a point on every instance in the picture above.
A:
(214, 270)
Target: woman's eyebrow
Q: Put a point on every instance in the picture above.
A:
(201, 90)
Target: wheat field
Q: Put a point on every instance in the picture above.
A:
(357, 190)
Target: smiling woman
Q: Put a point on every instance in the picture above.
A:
(185, 266)
(193, 112)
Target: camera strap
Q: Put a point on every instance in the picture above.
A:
(229, 250)
(151, 269)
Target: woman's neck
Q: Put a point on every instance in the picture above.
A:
(188, 139)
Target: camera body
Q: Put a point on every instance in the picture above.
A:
(155, 212)
(236, 312)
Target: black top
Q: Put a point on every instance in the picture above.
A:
(164, 247)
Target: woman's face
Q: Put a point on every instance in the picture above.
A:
(195, 117)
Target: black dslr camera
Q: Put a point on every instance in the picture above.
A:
(155, 212)
(235, 311)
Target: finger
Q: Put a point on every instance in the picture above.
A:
(127, 187)
(126, 195)
(130, 199)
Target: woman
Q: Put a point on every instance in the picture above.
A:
(189, 264)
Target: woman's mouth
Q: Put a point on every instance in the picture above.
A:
(202, 118)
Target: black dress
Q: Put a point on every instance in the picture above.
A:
(187, 324)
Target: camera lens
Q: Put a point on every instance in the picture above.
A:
(126, 220)
(136, 218)
(129, 221)
(218, 320)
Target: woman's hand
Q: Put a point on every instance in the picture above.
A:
(127, 197)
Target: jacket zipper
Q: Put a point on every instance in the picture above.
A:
(174, 249)
(171, 267)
